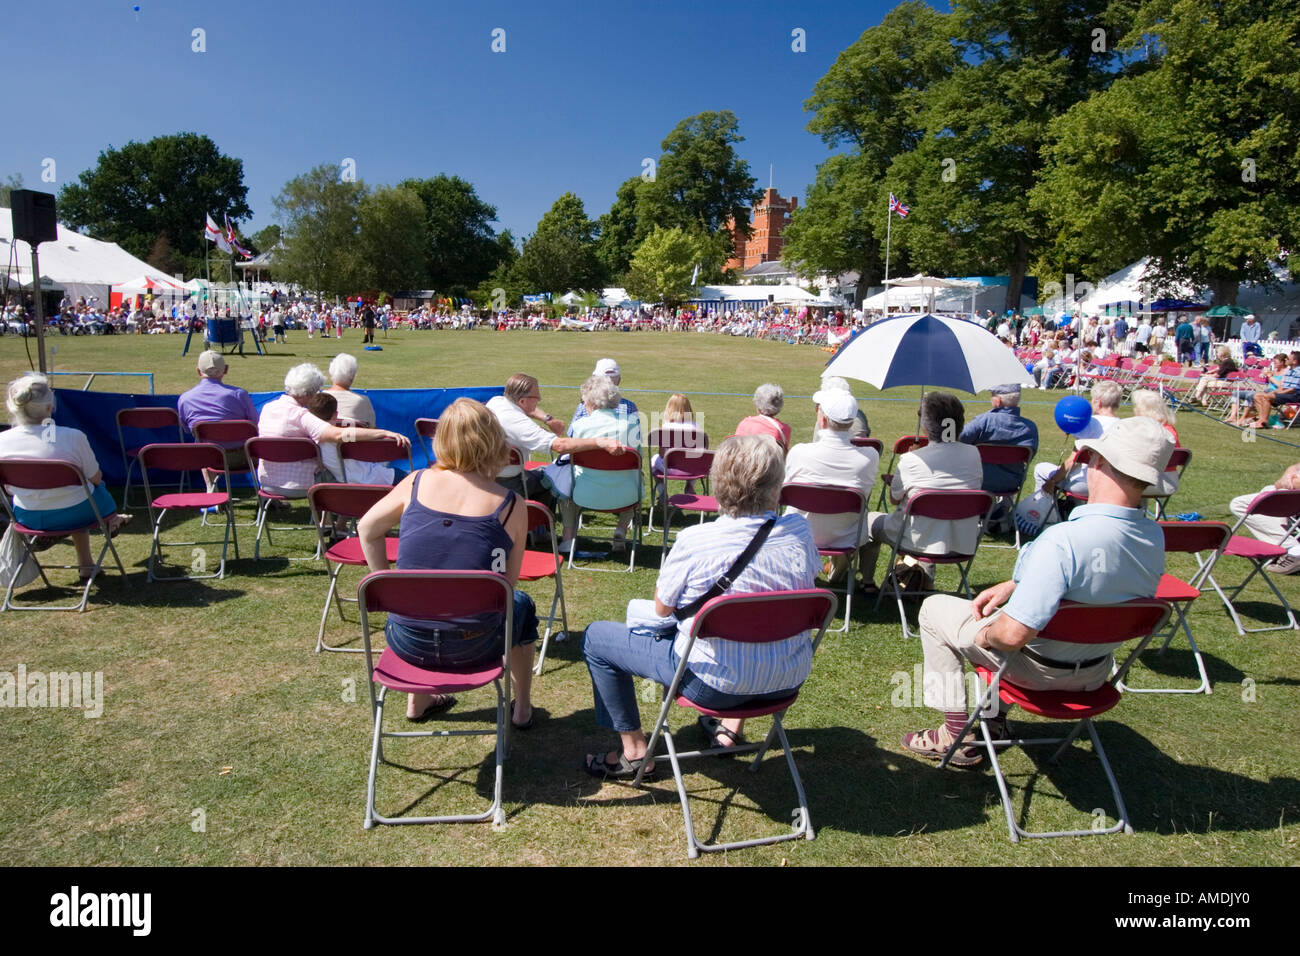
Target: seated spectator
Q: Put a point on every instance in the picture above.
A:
(1287, 393)
(769, 399)
(746, 479)
(861, 427)
(1002, 425)
(1047, 368)
(1244, 397)
(212, 400)
(520, 414)
(353, 409)
(288, 417)
(1056, 567)
(325, 407)
(1225, 367)
(1276, 531)
(833, 459)
(626, 406)
(604, 420)
(1152, 405)
(455, 517)
(30, 401)
(1072, 475)
(677, 422)
(944, 464)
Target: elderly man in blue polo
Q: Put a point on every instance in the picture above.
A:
(1060, 565)
(1002, 425)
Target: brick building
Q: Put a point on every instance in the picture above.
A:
(766, 225)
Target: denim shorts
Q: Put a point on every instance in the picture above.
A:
(433, 644)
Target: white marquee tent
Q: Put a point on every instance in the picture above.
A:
(80, 264)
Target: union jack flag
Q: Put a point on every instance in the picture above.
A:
(896, 205)
(234, 243)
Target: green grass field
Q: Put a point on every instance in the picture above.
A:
(225, 740)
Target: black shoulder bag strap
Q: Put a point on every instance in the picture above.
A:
(723, 584)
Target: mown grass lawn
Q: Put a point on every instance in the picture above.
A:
(217, 711)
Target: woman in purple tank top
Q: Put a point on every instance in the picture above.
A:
(455, 517)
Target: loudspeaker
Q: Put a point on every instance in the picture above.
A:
(34, 217)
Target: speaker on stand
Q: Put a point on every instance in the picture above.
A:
(35, 221)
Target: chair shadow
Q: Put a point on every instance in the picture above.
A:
(1258, 612)
(1180, 662)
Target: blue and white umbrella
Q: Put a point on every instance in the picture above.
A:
(928, 350)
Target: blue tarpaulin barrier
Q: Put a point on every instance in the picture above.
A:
(95, 413)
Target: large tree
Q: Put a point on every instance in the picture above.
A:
(1193, 162)
(160, 189)
(618, 228)
(320, 215)
(561, 255)
(665, 261)
(393, 238)
(461, 246)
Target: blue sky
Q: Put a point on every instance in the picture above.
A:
(582, 93)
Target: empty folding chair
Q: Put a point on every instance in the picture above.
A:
(163, 421)
(227, 434)
(832, 500)
(539, 565)
(436, 596)
(752, 619)
(376, 451)
(1186, 537)
(901, 447)
(685, 468)
(687, 465)
(1157, 496)
(351, 502)
(284, 451)
(44, 474)
(1109, 624)
(425, 429)
(1009, 456)
(1270, 504)
(628, 460)
(184, 459)
(937, 506)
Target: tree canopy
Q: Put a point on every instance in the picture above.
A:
(664, 262)
(321, 218)
(461, 246)
(561, 254)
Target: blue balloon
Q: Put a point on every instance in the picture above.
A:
(1029, 367)
(1073, 414)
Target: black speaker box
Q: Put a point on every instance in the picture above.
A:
(34, 217)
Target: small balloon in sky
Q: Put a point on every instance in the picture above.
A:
(136, 9)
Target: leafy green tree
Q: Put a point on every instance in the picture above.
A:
(664, 262)
(1192, 162)
(12, 182)
(462, 248)
(265, 239)
(561, 254)
(167, 186)
(393, 240)
(320, 215)
(618, 228)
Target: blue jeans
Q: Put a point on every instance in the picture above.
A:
(75, 517)
(428, 645)
(615, 655)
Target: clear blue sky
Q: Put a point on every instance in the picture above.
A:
(581, 94)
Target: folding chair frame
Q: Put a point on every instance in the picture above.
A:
(635, 538)
(999, 454)
(678, 439)
(165, 416)
(365, 493)
(686, 503)
(264, 498)
(214, 433)
(992, 693)
(368, 451)
(424, 580)
(1257, 563)
(799, 495)
(203, 457)
(819, 609)
(540, 516)
(902, 446)
(76, 477)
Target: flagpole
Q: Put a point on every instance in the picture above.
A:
(889, 225)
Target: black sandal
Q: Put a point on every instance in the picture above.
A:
(439, 706)
(598, 765)
(713, 729)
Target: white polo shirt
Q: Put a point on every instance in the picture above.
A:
(521, 431)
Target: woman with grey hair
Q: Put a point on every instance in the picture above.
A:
(601, 489)
(30, 402)
(769, 399)
(746, 477)
(289, 417)
(353, 409)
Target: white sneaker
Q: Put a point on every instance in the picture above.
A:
(1287, 564)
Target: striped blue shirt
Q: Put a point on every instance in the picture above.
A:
(788, 561)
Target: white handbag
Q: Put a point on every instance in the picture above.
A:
(1035, 513)
(15, 561)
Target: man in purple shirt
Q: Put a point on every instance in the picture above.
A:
(212, 400)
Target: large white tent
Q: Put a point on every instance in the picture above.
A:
(1133, 286)
(82, 265)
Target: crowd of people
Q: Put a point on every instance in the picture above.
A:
(467, 511)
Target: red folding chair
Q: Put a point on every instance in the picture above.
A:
(1186, 537)
(628, 460)
(901, 447)
(539, 565)
(937, 505)
(436, 596)
(1270, 504)
(687, 465)
(749, 619)
(186, 458)
(44, 474)
(1010, 456)
(685, 468)
(380, 451)
(352, 502)
(160, 419)
(833, 500)
(227, 434)
(426, 429)
(866, 441)
(1109, 624)
(1179, 459)
(281, 451)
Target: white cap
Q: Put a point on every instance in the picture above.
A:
(607, 366)
(1138, 447)
(838, 406)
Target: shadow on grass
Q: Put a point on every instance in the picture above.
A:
(1258, 613)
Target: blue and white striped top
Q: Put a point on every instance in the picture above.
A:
(788, 561)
